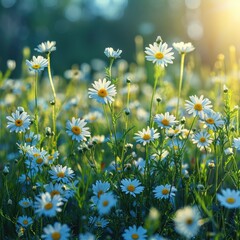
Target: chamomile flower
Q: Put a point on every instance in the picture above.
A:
(98, 222)
(164, 191)
(156, 237)
(24, 221)
(93, 116)
(146, 135)
(111, 53)
(187, 221)
(182, 47)
(25, 202)
(50, 158)
(165, 120)
(132, 187)
(106, 202)
(55, 189)
(99, 188)
(236, 143)
(18, 121)
(159, 53)
(198, 106)
(86, 236)
(47, 205)
(202, 139)
(37, 64)
(57, 231)
(135, 232)
(31, 138)
(77, 130)
(103, 91)
(46, 47)
(229, 198)
(213, 120)
(61, 174)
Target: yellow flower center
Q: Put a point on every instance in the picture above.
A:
(165, 191)
(130, 188)
(28, 139)
(56, 236)
(135, 236)
(25, 203)
(50, 157)
(60, 174)
(36, 66)
(189, 221)
(210, 121)
(159, 55)
(102, 92)
(19, 122)
(175, 147)
(76, 130)
(25, 222)
(54, 192)
(48, 206)
(146, 136)
(165, 122)
(39, 161)
(198, 107)
(100, 193)
(202, 139)
(105, 203)
(36, 155)
(231, 200)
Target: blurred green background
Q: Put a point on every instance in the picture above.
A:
(83, 28)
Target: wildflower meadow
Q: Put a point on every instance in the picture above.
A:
(130, 150)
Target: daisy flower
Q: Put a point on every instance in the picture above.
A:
(61, 174)
(198, 106)
(111, 53)
(229, 198)
(187, 221)
(105, 203)
(47, 205)
(135, 232)
(57, 231)
(103, 91)
(236, 143)
(99, 188)
(159, 54)
(76, 129)
(165, 120)
(202, 139)
(98, 222)
(213, 120)
(164, 191)
(46, 47)
(50, 158)
(156, 237)
(86, 236)
(18, 121)
(24, 221)
(146, 135)
(31, 138)
(25, 202)
(55, 189)
(37, 64)
(131, 187)
(93, 116)
(182, 47)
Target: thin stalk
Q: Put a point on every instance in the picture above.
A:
(180, 82)
(157, 75)
(54, 99)
(36, 101)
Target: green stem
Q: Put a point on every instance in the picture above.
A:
(157, 75)
(36, 101)
(180, 82)
(54, 99)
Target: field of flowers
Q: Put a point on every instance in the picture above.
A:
(144, 150)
